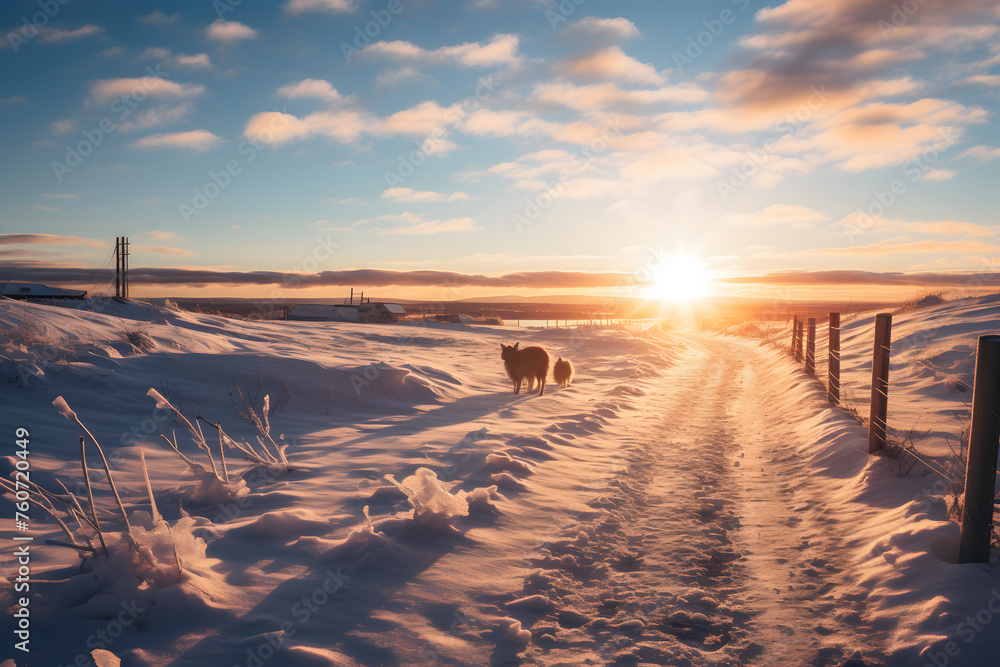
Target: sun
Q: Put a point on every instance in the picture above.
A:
(681, 278)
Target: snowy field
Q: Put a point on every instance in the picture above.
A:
(690, 499)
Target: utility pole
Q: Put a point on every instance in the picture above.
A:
(118, 267)
(121, 266)
(125, 270)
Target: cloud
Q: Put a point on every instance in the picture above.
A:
(371, 277)
(421, 120)
(59, 195)
(42, 207)
(982, 153)
(64, 126)
(53, 36)
(159, 250)
(858, 221)
(592, 29)
(405, 216)
(610, 63)
(948, 228)
(196, 140)
(47, 34)
(794, 216)
(311, 89)
(105, 90)
(157, 116)
(880, 134)
(296, 7)
(156, 53)
(49, 239)
(229, 32)
(156, 17)
(986, 80)
(276, 128)
(597, 96)
(483, 122)
(411, 195)
(867, 278)
(415, 224)
(938, 175)
(12, 100)
(434, 227)
(158, 235)
(437, 146)
(844, 47)
(396, 75)
(500, 50)
(194, 61)
(426, 119)
(904, 246)
(537, 165)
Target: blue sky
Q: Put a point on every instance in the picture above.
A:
(488, 139)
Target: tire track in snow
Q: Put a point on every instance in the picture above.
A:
(695, 558)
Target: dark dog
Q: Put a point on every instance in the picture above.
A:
(531, 363)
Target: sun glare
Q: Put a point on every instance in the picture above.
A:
(681, 279)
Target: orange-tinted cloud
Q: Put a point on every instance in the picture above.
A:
(372, 277)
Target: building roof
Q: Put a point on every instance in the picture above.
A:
(340, 312)
(323, 312)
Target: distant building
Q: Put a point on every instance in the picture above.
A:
(380, 312)
(33, 291)
(359, 312)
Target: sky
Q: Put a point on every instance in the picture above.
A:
(447, 150)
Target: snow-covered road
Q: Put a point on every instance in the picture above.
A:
(711, 546)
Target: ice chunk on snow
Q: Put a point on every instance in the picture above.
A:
(434, 506)
(532, 603)
(516, 634)
(500, 461)
(430, 500)
(481, 499)
(507, 481)
(633, 625)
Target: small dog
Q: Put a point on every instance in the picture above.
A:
(531, 363)
(562, 372)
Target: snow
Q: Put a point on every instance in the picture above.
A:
(691, 499)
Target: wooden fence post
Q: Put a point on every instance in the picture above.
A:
(981, 467)
(795, 334)
(880, 383)
(833, 361)
(798, 340)
(811, 347)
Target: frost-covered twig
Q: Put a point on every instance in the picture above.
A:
(173, 446)
(90, 493)
(149, 489)
(49, 509)
(67, 412)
